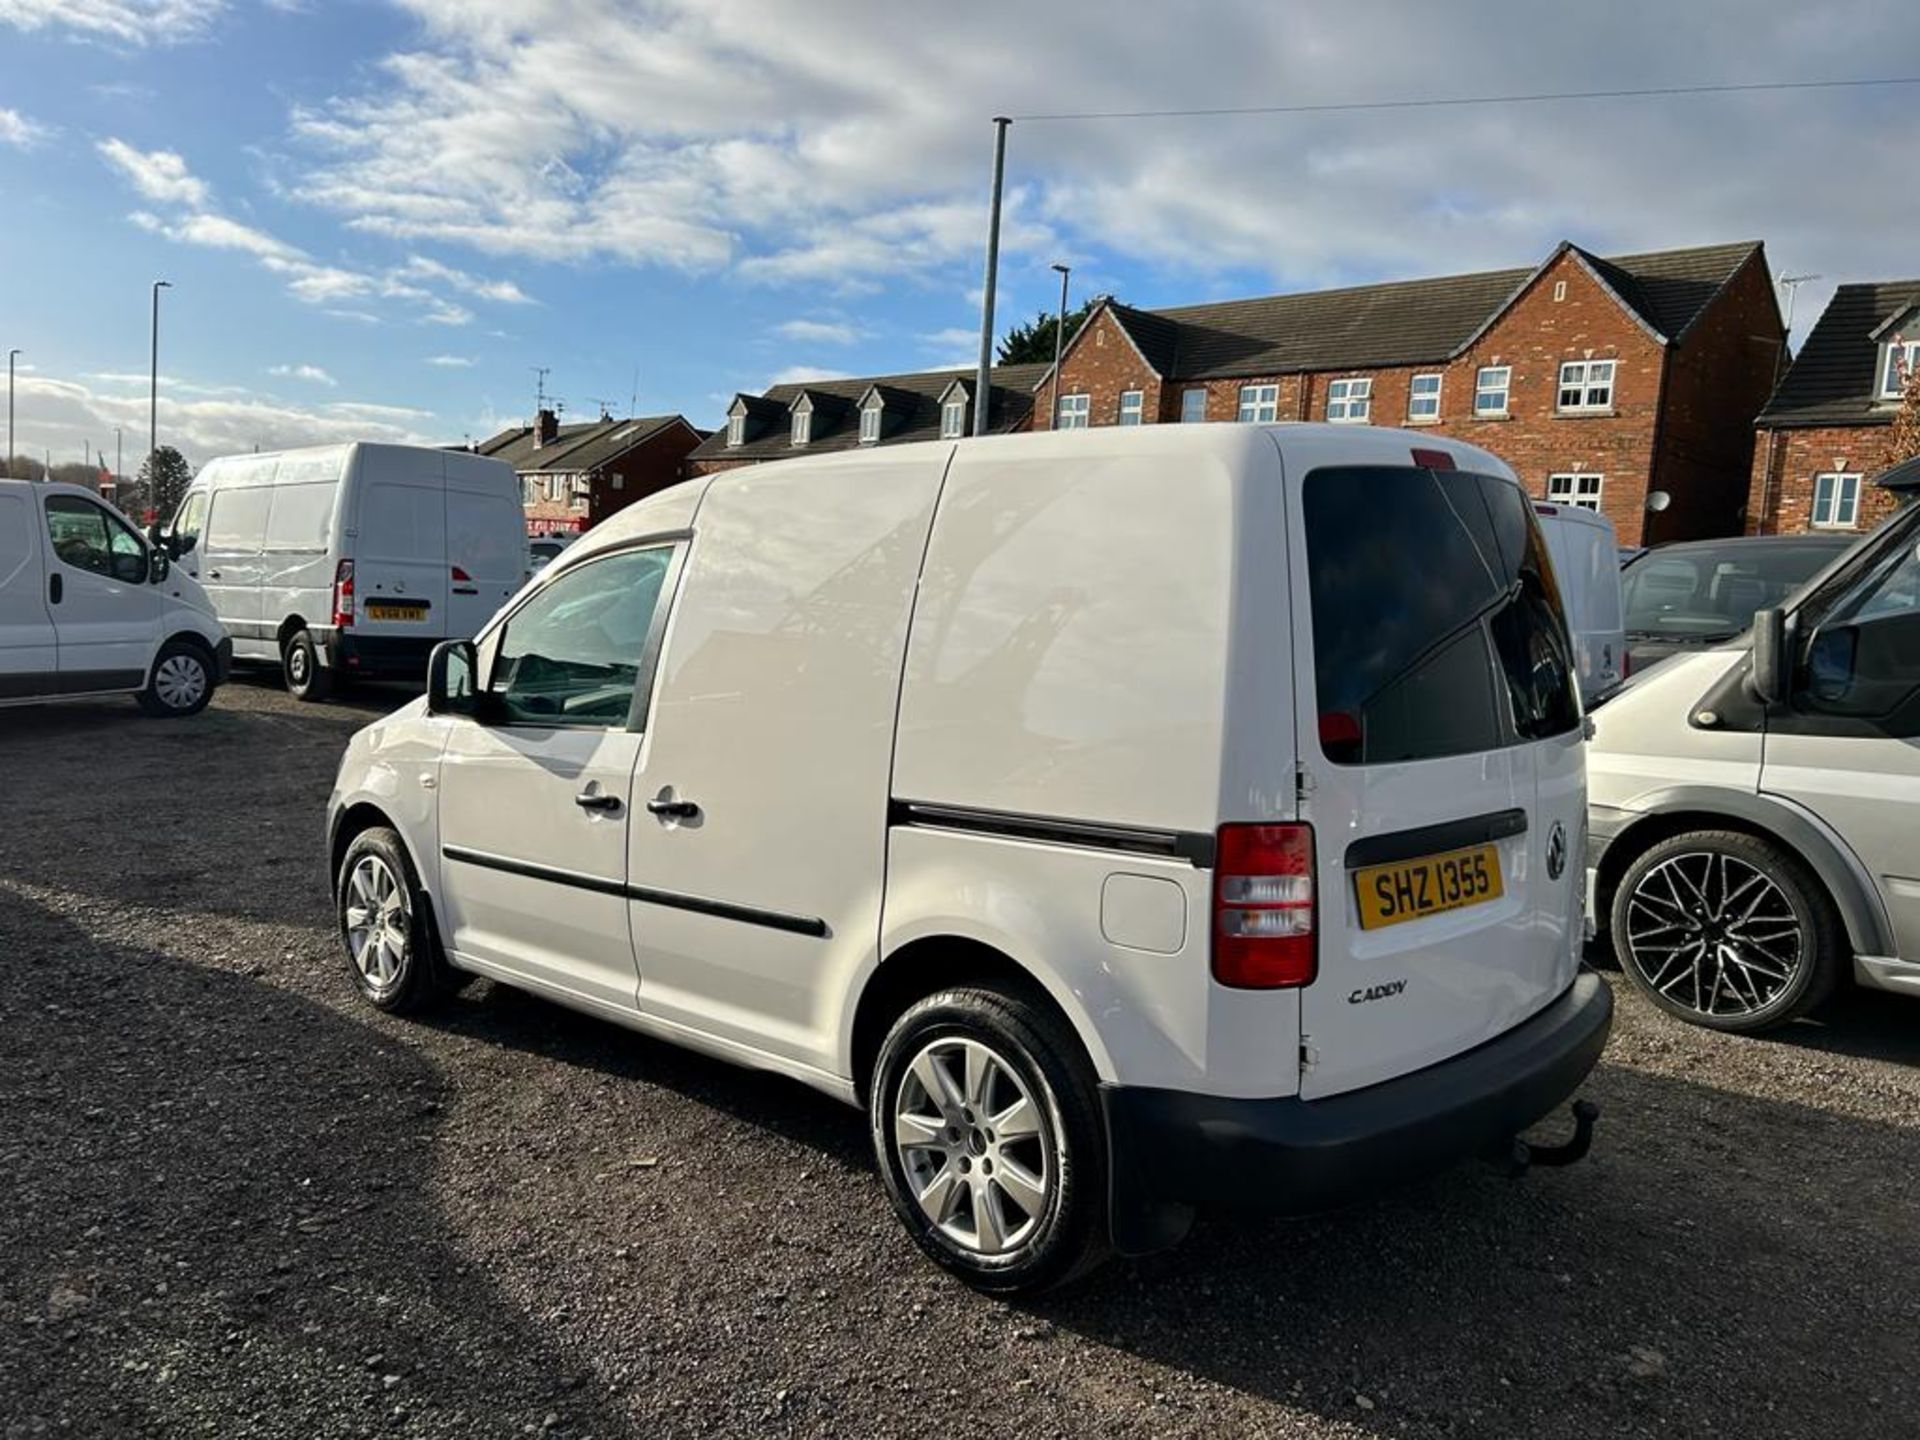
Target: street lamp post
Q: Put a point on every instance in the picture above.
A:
(1059, 338)
(10, 354)
(153, 404)
(984, 379)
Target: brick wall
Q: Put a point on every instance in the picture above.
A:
(1103, 364)
(1786, 462)
(646, 469)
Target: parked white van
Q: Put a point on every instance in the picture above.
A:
(88, 608)
(1131, 820)
(351, 561)
(1755, 804)
(1586, 561)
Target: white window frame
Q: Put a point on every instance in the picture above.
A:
(1350, 400)
(953, 419)
(801, 430)
(736, 431)
(1843, 508)
(1581, 379)
(1133, 407)
(1259, 404)
(1577, 489)
(1414, 397)
(1187, 404)
(1075, 411)
(1485, 385)
(1900, 353)
(870, 417)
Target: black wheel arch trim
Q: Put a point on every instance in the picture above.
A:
(1846, 880)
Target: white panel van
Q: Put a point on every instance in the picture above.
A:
(351, 561)
(1130, 820)
(88, 607)
(1586, 561)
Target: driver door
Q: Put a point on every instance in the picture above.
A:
(1847, 746)
(106, 617)
(535, 791)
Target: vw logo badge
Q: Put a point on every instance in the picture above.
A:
(1556, 851)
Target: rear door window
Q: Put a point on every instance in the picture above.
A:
(1438, 628)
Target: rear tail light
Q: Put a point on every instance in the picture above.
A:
(343, 594)
(1263, 906)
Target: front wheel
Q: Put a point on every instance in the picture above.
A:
(1726, 930)
(986, 1126)
(386, 927)
(181, 683)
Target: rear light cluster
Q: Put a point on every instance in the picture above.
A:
(343, 594)
(1263, 906)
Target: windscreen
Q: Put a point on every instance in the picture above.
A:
(1709, 592)
(1437, 624)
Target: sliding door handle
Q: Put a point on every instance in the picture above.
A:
(669, 809)
(597, 800)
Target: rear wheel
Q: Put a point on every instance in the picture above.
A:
(307, 678)
(986, 1126)
(1726, 930)
(181, 683)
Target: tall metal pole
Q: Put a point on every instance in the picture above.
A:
(116, 460)
(1059, 337)
(153, 406)
(10, 355)
(982, 386)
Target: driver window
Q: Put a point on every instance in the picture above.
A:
(85, 537)
(186, 524)
(1865, 657)
(572, 654)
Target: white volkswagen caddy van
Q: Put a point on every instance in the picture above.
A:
(88, 608)
(1131, 820)
(351, 561)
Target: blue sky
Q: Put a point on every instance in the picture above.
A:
(379, 216)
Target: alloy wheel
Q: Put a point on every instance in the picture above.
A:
(179, 681)
(979, 1158)
(1714, 934)
(379, 922)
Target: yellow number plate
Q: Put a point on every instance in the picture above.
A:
(1391, 894)
(388, 610)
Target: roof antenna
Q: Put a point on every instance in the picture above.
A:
(540, 386)
(606, 406)
(633, 401)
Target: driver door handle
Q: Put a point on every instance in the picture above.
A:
(597, 800)
(673, 809)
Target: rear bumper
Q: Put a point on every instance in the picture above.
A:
(1175, 1152)
(379, 657)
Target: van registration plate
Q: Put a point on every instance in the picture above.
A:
(396, 610)
(1413, 889)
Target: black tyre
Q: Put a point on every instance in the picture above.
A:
(181, 682)
(1727, 930)
(306, 677)
(986, 1126)
(386, 925)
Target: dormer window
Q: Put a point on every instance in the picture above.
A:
(1902, 358)
(736, 424)
(953, 412)
(873, 416)
(802, 421)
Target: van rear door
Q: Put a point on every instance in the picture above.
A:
(1441, 687)
(486, 541)
(399, 550)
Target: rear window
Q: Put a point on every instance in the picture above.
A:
(1710, 592)
(1437, 626)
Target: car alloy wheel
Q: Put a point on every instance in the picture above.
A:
(379, 922)
(978, 1157)
(1713, 934)
(180, 681)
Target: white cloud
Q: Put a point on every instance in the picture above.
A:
(504, 292)
(822, 332)
(127, 22)
(703, 135)
(18, 131)
(312, 373)
(800, 374)
(160, 175)
(202, 420)
(451, 362)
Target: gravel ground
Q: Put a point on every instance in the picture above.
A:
(235, 1202)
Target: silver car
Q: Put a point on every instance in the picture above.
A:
(1755, 807)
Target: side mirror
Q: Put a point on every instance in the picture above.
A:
(450, 678)
(158, 565)
(1772, 671)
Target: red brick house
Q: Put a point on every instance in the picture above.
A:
(1599, 380)
(817, 415)
(1824, 432)
(575, 476)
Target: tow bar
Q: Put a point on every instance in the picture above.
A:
(1522, 1155)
